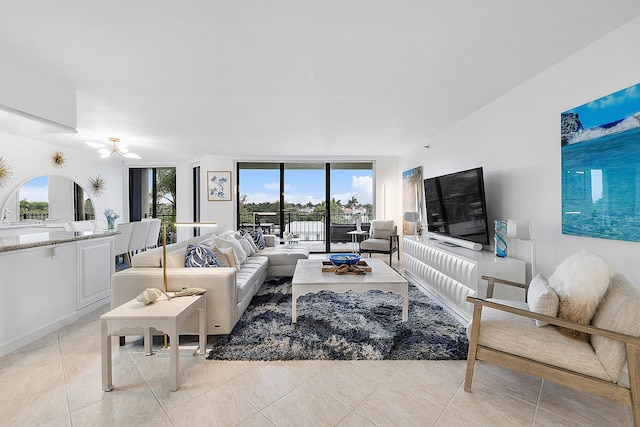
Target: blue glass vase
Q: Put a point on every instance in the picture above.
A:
(500, 237)
(111, 223)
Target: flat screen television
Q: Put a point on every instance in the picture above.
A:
(456, 206)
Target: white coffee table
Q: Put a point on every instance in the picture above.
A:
(309, 278)
(163, 315)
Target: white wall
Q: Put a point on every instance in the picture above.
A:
(29, 158)
(517, 141)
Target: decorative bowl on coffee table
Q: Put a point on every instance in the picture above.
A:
(339, 259)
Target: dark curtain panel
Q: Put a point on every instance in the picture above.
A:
(136, 175)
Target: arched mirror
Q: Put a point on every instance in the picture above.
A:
(48, 197)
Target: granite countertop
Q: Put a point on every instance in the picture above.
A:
(49, 238)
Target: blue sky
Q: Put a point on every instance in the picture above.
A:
(610, 108)
(303, 186)
(35, 190)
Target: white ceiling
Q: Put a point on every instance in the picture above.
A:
(179, 79)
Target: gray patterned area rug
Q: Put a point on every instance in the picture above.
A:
(341, 326)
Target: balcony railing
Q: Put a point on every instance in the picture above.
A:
(304, 226)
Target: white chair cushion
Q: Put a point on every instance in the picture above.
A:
(518, 335)
(375, 245)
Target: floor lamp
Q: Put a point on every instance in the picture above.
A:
(164, 251)
(522, 230)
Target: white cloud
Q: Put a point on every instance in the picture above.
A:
(262, 197)
(615, 99)
(302, 199)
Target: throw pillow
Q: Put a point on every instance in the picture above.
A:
(222, 258)
(542, 299)
(247, 247)
(381, 229)
(257, 235)
(580, 282)
(232, 258)
(249, 239)
(200, 256)
(233, 244)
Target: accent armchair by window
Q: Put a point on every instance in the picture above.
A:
(383, 239)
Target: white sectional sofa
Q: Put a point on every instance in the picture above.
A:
(229, 290)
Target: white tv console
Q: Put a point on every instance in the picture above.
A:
(453, 273)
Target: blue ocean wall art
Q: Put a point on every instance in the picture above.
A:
(600, 143)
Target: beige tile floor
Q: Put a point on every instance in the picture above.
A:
(57, 382)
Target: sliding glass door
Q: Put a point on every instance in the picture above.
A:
(290, 201)
(305, 210)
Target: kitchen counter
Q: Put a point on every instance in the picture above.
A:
(48, 238)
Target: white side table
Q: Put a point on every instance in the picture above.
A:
(163, 315)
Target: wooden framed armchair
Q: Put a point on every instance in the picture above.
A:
(504, 333)
(383, 239)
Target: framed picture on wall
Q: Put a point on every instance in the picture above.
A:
(218, 186)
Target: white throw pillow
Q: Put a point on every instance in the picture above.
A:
(232, 258)
(542, 299)
(247, 247)
(580, 282)
(233, 244)
(381, 229)
(249, 239)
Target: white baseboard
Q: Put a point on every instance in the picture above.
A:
(44, 330)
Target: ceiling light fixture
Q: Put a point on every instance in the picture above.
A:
(117, 147)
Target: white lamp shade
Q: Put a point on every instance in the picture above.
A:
(519, 229)
(411, 216)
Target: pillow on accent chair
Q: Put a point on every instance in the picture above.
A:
(580, 282)
(382, 229)
(200, 256)
(542, 298)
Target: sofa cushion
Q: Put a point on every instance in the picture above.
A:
(619, 311)
(175, 257)
(542, 299)
(250, 276)
(580, 282)
(200, 256)
(284, 254)
(519, 335)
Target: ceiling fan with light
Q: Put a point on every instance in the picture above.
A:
(117, 147)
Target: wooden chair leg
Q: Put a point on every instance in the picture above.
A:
(473, 346)
(633, 361)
